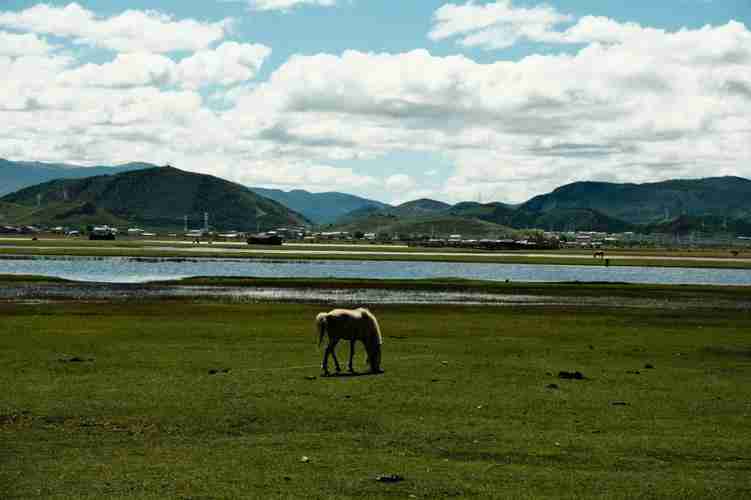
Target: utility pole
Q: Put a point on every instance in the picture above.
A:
(206, 222)
(185, 223)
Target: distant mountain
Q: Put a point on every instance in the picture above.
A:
(411, 209)
(320, 208)
(557, 219)
(442, 219)
(653, 202)
(15, 175)
(155, 198)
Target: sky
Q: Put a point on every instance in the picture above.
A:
(389, 99)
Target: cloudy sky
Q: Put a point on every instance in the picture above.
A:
(391, 99)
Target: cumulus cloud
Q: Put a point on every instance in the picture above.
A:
(501, 24)
(655, 105)
(494, 25)
(228, 64)
(130, 31)
(26, 44)
(131, 69)
(286, 5)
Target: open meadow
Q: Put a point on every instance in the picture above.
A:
(723, 258)
(219, 399)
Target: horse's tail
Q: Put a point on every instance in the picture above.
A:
(321, 325)
(374, 341)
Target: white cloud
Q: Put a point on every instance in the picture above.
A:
(133, 69)
(399, 183)
(286, 5)
(130, 31)
(229, 64)
(494, 25)
(644, 104)
(656, 105)
(26, 44)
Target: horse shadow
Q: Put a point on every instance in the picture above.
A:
(352, 374)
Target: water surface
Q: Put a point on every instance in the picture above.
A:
(141, 270)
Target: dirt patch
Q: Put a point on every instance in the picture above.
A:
(75, 359)
(130, 425)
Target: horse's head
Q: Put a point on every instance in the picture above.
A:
(321, 325)
(374, 356)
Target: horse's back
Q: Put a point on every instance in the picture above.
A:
(347, 323)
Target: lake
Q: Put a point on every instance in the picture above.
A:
(143, 270)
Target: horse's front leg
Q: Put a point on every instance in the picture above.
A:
(325, 362)
(333, 354)
(352, 343)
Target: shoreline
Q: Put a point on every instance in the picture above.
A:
(255, 253)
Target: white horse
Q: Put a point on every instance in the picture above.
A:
(352, 325)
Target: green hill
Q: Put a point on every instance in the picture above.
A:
(570, 219)
(15, 175)
(652, 202)
(421, 207)
(154, 198)
(439, 226)
(709, 224)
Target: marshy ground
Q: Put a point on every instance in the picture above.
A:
(201, 398)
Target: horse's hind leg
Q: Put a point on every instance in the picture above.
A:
(351, 354)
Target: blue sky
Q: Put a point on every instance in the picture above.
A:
(484, 100)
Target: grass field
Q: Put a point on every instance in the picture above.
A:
(61, 247)
(118, 400)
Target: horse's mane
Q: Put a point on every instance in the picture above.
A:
(374, 321)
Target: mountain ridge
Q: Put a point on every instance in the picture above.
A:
(158, 197)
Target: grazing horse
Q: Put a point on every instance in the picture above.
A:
(600, 254)
(352, 325)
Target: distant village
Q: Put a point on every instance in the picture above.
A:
(534, 239)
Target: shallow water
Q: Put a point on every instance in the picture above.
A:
(140, 270)
(95, 292)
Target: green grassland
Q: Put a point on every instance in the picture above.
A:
(179, 249)
(465, 408)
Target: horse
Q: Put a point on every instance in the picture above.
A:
(352, 325)
(600, 254)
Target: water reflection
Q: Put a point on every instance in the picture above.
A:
(95, 292)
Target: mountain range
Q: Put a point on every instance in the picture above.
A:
(710, 205)
(319, 208)
(161, 196)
